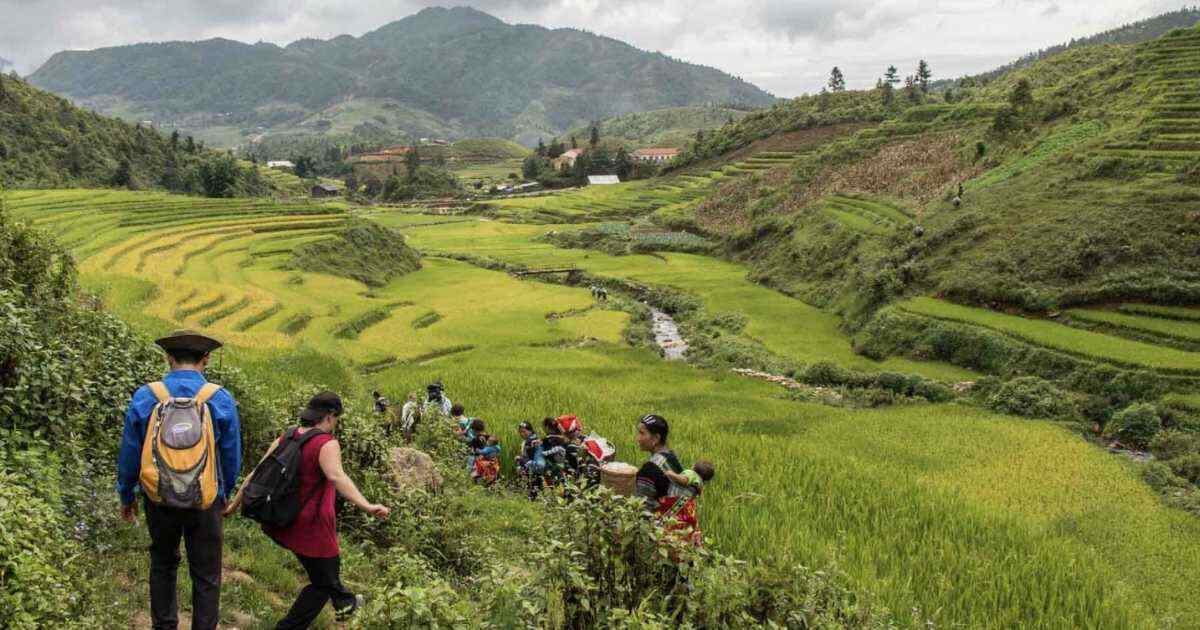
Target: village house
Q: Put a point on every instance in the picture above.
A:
(326, 190)
(567, 158)
(655, 155)
(281, 164)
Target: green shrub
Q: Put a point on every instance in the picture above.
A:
(40, 586)
(1031, 397)
(1172, 443)
(1160, 476)
(364, 251)
(1135, 425)
(1187, 466)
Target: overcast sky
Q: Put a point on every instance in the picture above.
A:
(784, 46)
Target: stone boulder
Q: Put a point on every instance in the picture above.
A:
(414, 470)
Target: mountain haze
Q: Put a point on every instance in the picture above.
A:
(457, 71)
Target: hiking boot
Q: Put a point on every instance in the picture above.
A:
(345, 612)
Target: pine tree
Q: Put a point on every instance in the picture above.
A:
(595, 139)
(174, 141)
(190, 145)
(887, 93)
(541, 148)
(574, 143)
(924, 74)
(837, 81)
(892, 76)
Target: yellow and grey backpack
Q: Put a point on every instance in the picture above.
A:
(179, 454)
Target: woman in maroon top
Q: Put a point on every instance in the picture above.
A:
(313, 535)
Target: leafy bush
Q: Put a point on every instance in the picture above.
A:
(1187, 466)
(1160, 476)
(42, 587)
(1135, 425)
(1030, 396)
(1173, 443)
(364, 251)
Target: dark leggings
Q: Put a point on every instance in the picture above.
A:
(324, 575)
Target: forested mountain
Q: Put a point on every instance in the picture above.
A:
(45, 141)
(462, 69)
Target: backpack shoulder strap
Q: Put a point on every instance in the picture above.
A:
(160, 391)
(206, 393)
(308, 435)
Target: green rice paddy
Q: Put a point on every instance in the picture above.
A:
(973, 518)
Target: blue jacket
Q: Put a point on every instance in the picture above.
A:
(226, 430)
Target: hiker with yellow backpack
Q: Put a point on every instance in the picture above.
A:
(182, 446)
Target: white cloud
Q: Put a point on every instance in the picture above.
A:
(785, 46)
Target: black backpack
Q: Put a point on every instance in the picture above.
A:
(271, 496)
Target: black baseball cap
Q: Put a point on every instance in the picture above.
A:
(322, 405)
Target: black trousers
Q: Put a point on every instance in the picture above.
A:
(325, 583)
(202, 535)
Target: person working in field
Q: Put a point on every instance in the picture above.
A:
(673, 502)
(309, 528)
(182, 446)
(531, 461)
(382, 404)
(436, 401)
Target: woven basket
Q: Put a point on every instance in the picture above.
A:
(619, 476)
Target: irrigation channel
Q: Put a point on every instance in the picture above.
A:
(666, 335)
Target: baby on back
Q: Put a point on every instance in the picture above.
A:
(695, 477)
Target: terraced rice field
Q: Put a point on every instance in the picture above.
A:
(787, 326)
(1173, 328)
(977, 520)
(1171, 129)
(1093, 345)
(865, 215)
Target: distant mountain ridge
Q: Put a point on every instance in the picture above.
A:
(456, 69)
(1133, 33)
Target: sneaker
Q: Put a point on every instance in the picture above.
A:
(345, 612)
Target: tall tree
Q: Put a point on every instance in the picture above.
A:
(1021, 97)
(892, 76)
(412, 161)
(623, 165)
(595, 139)
(190, 145)
(541, 148)
(175, 141)
(837, 81)
(887, 93)
(574, 143)
(911, 90)
(924, 74)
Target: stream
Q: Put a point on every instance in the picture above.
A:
(666, 335)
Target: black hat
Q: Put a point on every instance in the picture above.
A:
(656, 425)
(525, 425)
(188, 340)
(436, 386)
(322, 405)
